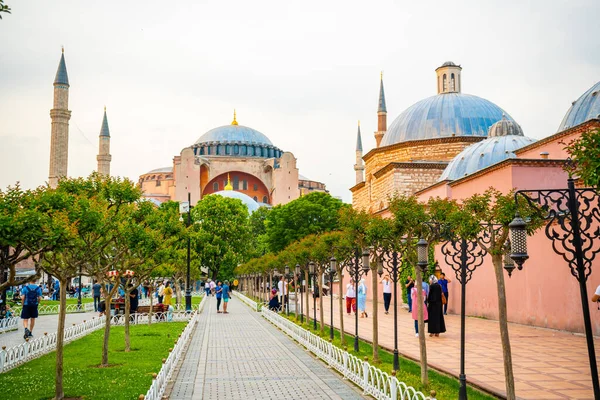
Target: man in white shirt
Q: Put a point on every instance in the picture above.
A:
(213, 285)
(350, 297)
(161, 292)
(280, 289)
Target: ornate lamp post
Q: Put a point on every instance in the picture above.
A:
(464, 256)
(79, 297)
(186, 208)
(298, 271)
(356, 271)
(331, 271)
(572, 216)
(286, 289)
(311, 272)
(391, 266)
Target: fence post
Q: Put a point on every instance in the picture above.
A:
(365, 375)
(345, 360)
(393, 385)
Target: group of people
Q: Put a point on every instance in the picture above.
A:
(435, 303)
(353, 301)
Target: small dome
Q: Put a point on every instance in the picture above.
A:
(234, 133)
(483, 154)
(505, 127)
(246, 200)
(583, 109)
(444, 115)
(449, 64)
(160, 170)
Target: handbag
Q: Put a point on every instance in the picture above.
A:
(444, 301)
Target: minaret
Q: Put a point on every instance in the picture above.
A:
(104, 156)
(60, 115)
(359, 167)
(381, 114)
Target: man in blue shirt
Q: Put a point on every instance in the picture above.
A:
(444, 284)
(30, 295)
(225, 293)
(96, 293)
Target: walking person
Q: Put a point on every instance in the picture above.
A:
(226, 293)
(96, 287)
(434, 308)
(219, 295)
(168, 294)
(414, 294)
(443, 281)
(350, 297)
(134, 299)
(207, 287)
(161, 292)
(409, 284)
(362, 299)
(31, 295)
(387, 292)
(213, 287)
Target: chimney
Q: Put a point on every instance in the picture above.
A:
(544, 155)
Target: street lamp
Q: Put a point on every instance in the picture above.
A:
(311, 272)
(331, 270)
(79, 297)
(357, 272)
(298, 272)
(572, 216)
(286, 290)
(183, 208)
(391, 266)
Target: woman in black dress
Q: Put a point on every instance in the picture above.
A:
(435, 308)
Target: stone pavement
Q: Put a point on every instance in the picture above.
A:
(547, 364)
(45, 323)
(241, 356)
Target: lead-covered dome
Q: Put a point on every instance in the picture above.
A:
(583, 109)
(483, 154)
(444, 115)
(234, 133)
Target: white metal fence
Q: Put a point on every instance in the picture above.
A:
(30, 349)
(9, 324)
(372, 380)
(159, 384)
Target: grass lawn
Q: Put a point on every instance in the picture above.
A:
(130, 375)
(69, 301)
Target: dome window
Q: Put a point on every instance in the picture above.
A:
(265, 199)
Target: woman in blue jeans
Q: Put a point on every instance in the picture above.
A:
(219, 295)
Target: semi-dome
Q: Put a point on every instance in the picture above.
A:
(505, 127)
(444, 115)
(483, 154)
(583, 109)
(246, 200)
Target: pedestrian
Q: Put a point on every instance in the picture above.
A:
(102, 304)
(226, 293)
(30, 296)
(362, 299)
(219, 295)
(443, 281)
(274, 301)
(434, 308)
(414, 294)
(213, 287)
(350, 297)
(387, 292)
(96, 294)
(168, 294)
(207, 287)
(133, 299)
(409, 284)
(161, 292)
(56, 290)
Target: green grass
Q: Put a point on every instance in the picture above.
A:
(69, 301)
(130, 375)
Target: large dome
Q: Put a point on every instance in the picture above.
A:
(583, 109)
(246, 200)
(483, 154)
(444, 115)
(234, 133)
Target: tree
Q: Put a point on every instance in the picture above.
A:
(586, 153)
(4, 8)
(311, 214)
(258, 232)
(223, 234)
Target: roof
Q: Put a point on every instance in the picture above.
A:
(381, 106)
(359, 140)
(159, 170)
(444, 115)
(61, 74)
(234, 133)
(104, 131)
(583, 109)
(244, 198)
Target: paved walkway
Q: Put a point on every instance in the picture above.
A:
(547, 364)
(45, 323)
(241, 356)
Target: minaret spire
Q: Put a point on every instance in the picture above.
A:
(104, 158)
(60, 115)
(359, 167)
(381, 113)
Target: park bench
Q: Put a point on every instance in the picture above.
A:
(156, 308)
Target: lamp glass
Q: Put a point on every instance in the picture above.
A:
(311, 268)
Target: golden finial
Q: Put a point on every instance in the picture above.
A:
(104, 108)
(229, 186)
(381, 75)
(359, 122)
(62, 48)
(234, 122)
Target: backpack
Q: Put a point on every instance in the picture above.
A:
(31, 297)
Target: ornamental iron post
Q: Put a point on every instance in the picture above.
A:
(464, 256)
(573, 219)
(188, 287)
(332, 269)
(391, 266)
(79, 297)
(355, 270)
(311, 272)
(299, 273)
(286, 289)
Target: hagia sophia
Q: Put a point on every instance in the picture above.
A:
(450, 145)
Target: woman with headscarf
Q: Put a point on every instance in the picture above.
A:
(274, 301)
(362, 299)
(414, 294)
(435, 308)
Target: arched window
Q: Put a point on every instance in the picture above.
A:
(452, 83)
(445, 84)
(236, 149)
(265, 199)
(216, 186)
(243, 150)
(236, 183)
(245, 184)
(201, 151)
(255, 199)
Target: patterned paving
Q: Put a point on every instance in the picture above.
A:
(239, 355)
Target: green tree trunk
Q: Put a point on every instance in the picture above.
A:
(59, 392)
(422, 343)
(127, 313)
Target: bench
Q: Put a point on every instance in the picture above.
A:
(156, 308)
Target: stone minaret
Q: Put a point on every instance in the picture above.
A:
(60, 115)
(359, 167)
(104, 156)
(381, 114)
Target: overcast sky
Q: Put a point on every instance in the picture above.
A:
(301, 72)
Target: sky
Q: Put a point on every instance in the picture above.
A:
(301, 72)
